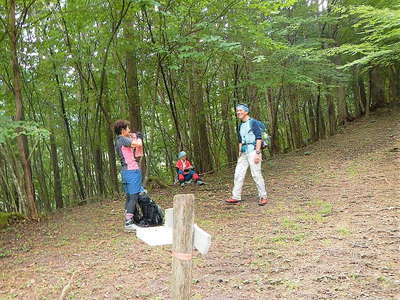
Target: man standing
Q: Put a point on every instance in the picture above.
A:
(250, 141)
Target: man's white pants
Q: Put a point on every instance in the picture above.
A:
(243, 163)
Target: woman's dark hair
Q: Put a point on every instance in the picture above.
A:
(119, 125)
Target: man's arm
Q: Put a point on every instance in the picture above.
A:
(239, 139)
(258, 146)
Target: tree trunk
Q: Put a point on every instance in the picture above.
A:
(320, 117)
(377, 88)
(110, 140)
(357, 94)
(340, 92)
(295, 126)
(226, 115)
(56, 173)
(394, 84)
(44, 198)
(342, 115)
(201, 143)
(273, 104)
(132, 87)
(252, 93)
(68, 132)
(331, 114)
(22, 140)
(98, 164)
(312, 120)
(363, 95)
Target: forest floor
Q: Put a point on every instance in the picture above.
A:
(330, 231)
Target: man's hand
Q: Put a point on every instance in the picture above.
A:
(257, 158)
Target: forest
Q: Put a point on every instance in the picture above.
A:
(176, 70)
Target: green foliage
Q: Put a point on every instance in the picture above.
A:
(7, 218)
(379, 32)
(12, 129)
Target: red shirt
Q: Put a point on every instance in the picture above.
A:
(182, 165)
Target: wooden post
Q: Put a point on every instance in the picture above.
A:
(182, 246)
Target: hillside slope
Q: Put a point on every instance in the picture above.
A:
(331, 231)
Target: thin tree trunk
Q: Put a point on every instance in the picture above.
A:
(363, 95)
(340, 91)
(230, 143)
(56, 173)
(44, 198)
(201, 143)
(312, 120)
(320, 117)
(377, 88)
(98, 164)
(132, 87)
(342, 115)
(295, 127)
(331, 114)
(306, 122)
(273, 104)
(394, 84)
(168, 87)
(251, 92)
(357, 94)
(68, 132)
(22, 140)
(110, 142)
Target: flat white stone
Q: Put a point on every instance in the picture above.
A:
(201, 240)
(169, 217)
(155, 236)
(162, 235)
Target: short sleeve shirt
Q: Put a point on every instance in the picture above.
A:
(125, 153)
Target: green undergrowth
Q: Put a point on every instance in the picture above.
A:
(8, 218)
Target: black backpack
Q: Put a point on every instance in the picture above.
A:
(152, 213)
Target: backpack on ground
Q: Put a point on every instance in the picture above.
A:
(152, 213)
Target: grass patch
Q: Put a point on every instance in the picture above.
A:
(260, 263)
(343, 231)
(326, 242)
(289, 284)
(205, 223)
(5, 252)
(282, 239)
(352, 171)
(311, 218)
(290, 224)
(325, 208)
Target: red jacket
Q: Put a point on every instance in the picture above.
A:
(182, 166)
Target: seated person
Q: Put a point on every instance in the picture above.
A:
(185, 170)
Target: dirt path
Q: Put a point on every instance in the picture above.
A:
(331, 231)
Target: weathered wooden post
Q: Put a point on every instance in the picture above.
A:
(182, 246)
